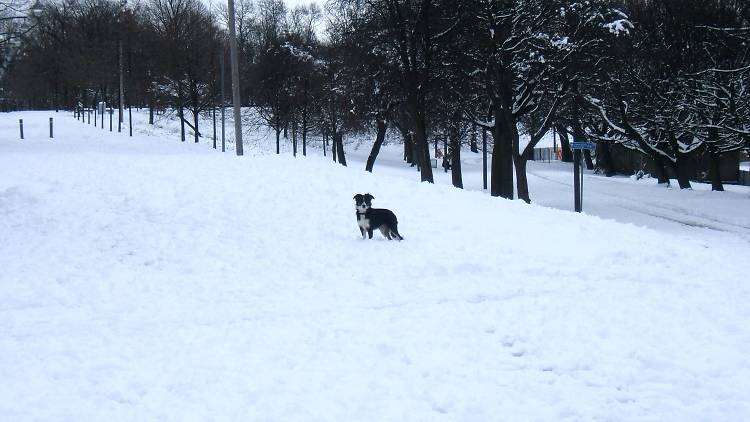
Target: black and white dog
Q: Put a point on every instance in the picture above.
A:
(369, 218)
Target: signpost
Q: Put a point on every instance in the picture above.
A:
(577, 146)
(582, 145)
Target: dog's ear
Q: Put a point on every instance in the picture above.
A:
(357, 197)
(368, 196)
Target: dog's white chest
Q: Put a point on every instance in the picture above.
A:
(363, 222)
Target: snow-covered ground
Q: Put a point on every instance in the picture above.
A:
(145, 279)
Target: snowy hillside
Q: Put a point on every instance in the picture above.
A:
(144, 279)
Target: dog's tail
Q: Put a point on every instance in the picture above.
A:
(396, 233)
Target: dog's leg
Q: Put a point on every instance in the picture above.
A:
(385, 231)
(369, 233)
(362, 231)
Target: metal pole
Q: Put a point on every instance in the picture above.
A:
(577, 179)
(235, 79)
(50, 128)
(580, 200)
(484, 157)
(130, 119)
(223, 101)
(110, 118)
(121, 118)
(554, 140)
(20, 124)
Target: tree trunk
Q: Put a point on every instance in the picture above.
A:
(333, 148)
(473, 144)
(683, 171)
(294, 138)
(196, 114)
(278, 144)
(588, 160)
(456, 176)
(381, 128)
(519, 160)
(338, 139)
(714, 169)
(501, 178)
(681, 163)
(196, 109)
(522, 182)
(180, 104)
(566, 154)
(182, 123)
(662, 176)
(422, 149)
(446, 156)
(304, 132)
(408, 147)
(604, 159)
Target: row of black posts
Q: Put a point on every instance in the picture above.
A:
(80, 116)
(83, 118)
(51, 133)
(86, 118)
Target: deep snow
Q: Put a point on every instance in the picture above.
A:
(144, 279)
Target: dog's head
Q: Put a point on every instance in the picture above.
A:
(363, 202)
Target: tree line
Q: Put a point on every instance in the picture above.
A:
(668, 78)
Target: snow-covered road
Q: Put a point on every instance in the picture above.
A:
(698, 212)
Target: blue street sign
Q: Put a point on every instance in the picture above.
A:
(582, 145)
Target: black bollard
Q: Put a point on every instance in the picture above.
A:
(20, 123)
(110, 120)
(50, 128)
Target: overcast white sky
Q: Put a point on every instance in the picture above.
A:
(292, 3)
(289, 3)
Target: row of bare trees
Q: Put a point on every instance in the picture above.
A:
(668, 78)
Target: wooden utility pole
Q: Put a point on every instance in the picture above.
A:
(122, 85)
(235, 79)
(223, 99)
